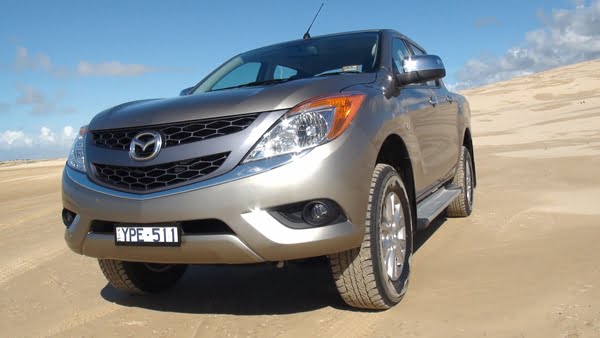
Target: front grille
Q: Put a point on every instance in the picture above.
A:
(176, 133)
(159, 176)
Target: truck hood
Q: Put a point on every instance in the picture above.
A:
(224, 102)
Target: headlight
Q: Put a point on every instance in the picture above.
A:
(307, 125)
(76, 158)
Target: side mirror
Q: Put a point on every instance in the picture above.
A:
(421, 68)
(186, 91)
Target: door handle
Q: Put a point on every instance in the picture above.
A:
(449, 98)
(433, 101)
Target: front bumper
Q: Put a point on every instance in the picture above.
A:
(339, 170)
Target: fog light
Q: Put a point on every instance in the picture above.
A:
(308, 214)
(320, 213)
(68, 217)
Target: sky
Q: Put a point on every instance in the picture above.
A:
(62, 62)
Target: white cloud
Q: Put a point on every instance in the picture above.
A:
(46, 136)
(44, 62)
(40, 104)
(113, 68)
(68, 132)
(14, 138)
(22, 58)
(45, 144)
(29, 95)
(24, 61)
(566, 36)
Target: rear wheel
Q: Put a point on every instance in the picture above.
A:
(462, 206)
(141, 278)
(375, 275)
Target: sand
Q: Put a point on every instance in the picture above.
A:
(526, 263)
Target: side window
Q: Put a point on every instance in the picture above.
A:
(399, 52)
(418, 51)
(248, 72)
(283, 72)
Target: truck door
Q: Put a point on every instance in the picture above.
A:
(442, 127)
(417, 100)
(446, 124)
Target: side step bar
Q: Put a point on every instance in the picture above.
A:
(433, 205)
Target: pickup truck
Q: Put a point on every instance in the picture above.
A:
(339, 146)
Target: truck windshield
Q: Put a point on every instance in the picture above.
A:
(324, 56)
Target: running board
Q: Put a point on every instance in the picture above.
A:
(435, 204)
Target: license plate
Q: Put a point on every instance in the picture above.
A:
(159, 235)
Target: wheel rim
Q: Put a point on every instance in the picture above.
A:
(392, 236)
(469, 183)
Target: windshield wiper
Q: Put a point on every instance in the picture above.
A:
(256, 83)
(337, 73)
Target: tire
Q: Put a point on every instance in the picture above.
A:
(141, 278)
(462, 206)
(360, 274)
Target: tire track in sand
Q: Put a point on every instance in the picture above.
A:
(30, 262)
(80, 318)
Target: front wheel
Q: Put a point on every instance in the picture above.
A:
(462, 206)
(141, 278)
(375, 275)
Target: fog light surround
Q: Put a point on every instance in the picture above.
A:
(308, 214)
(68, 217)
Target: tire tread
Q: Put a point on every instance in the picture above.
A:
(459, 207)
(117, 275)
(353, 269)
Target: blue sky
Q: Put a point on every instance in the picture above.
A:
(61, 62)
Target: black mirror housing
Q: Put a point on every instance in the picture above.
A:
(421, 68)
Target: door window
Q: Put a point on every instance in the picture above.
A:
(399, 52)
(416, 50)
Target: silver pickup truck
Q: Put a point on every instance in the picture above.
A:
(341, 146)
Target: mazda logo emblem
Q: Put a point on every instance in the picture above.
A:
(145, 145)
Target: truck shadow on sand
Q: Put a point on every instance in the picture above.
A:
(260, 289)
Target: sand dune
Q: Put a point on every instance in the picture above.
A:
(25, 164)
(527, 263)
